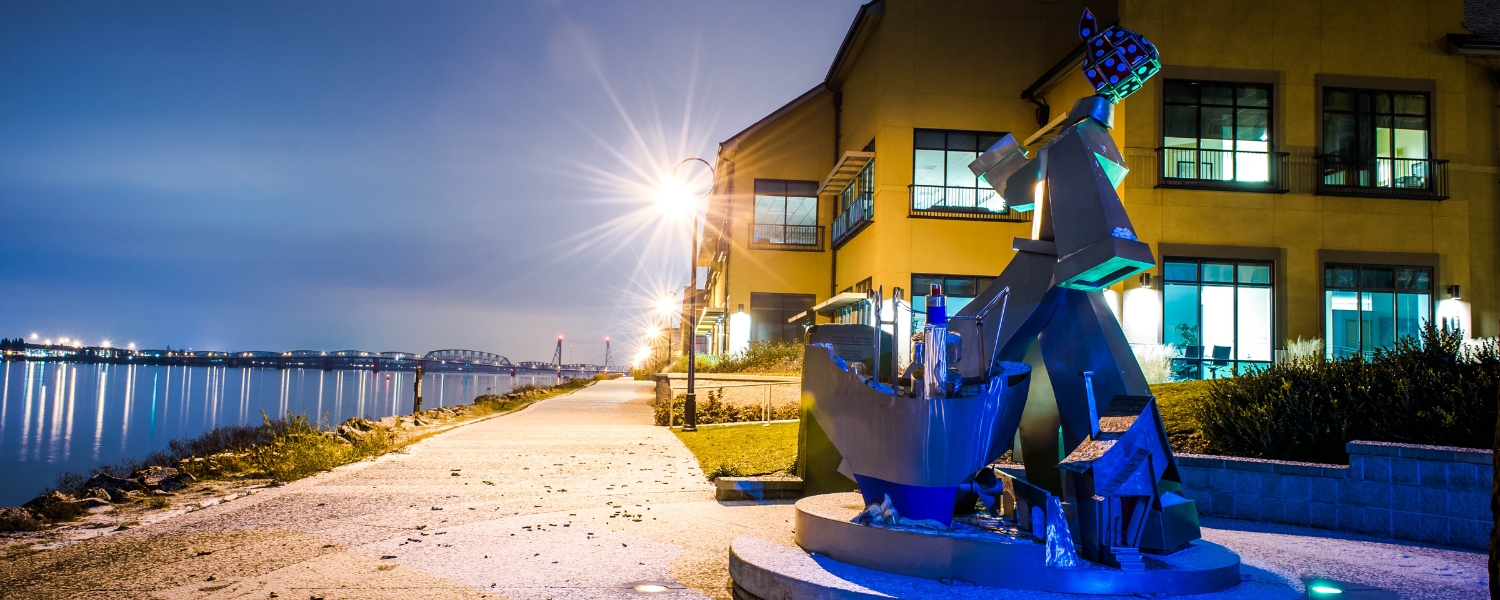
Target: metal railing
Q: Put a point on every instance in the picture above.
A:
(1199, 168)
(978, 204)
(855, 217)
(803, 238)
(1380, 177)
(766, 407)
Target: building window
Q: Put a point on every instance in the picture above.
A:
(941, 180)
(1216, 132)
(786, 214)
(769, 314)
(1377, 139)
(856, 206)
(960, 290)
(1218, 314)
(856, 313)
(1369, 307)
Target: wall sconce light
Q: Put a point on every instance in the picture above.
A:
(1145, 280)
(1455, 291)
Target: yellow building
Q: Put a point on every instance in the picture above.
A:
(1300, 169)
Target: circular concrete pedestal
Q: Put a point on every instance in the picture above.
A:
(983, 558)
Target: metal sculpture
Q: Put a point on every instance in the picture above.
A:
(1039, 357)
(1117, 475)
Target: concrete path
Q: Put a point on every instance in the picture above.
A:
(575, 497)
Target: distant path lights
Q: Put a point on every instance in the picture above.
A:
(690, 406)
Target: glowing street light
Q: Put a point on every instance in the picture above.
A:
(674, 195)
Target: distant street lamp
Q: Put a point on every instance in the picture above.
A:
(675, 193)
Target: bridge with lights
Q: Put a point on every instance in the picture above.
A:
(437, 361)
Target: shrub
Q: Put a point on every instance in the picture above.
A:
(780, 358)
(1428, 391)
(712, 409)
(1155, 361)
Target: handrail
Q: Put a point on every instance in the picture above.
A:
(977, 204)
(1208, 168)
(1382, 177)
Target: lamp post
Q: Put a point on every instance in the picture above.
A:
(690, 406)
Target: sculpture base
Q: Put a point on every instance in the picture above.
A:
(990, 558)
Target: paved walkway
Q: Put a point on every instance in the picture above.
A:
(575, 497)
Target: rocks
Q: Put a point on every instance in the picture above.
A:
(96, 492)
(154, 476)
(55, 506)
(112, 484)
(175, 482)
(16, 518)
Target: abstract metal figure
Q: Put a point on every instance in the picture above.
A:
(1039, 358)
(1089, 432)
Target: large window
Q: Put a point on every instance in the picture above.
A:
(1376, 139)
(1216, 132)
(1218, 314)
(786, 213)
(941, 179)
(1369, 307)
(769, 313)
(960, 290)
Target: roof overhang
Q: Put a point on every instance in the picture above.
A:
(844, 172)
(1472, 45)
(709, 318)
(830, 307)
(859, 31)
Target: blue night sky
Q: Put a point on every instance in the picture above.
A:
(371, 175)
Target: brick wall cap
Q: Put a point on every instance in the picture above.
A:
(1421, 451)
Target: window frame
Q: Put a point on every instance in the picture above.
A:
(1235, 363)
(938, 197)
(810, 237)
(1275, 160)
(1360, 289)
(1374, 114)
(757, 312)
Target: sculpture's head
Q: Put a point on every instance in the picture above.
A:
(1118, 61)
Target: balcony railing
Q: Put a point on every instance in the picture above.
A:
(1417, 178)
(799, 238)
(1205, 169)
(856, 216)
(976, 204)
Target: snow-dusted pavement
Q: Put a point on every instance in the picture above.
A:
(575, 497)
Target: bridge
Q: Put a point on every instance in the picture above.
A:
(437, 361)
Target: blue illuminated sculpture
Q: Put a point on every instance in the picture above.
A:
(1038, 357)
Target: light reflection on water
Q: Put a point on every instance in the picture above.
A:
(57, 417)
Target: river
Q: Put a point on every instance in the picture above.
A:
(57, 417)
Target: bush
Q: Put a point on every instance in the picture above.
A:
(712, 409)
(1432, 391)
(778, 358)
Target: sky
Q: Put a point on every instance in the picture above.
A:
(389, 176)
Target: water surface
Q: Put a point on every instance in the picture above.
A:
(57, 417)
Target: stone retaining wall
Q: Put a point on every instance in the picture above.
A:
(1435, 494)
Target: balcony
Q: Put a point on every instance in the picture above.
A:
(857, 215)
(795, 238)
(940, 202)
(1379, 177)
(1234, 170)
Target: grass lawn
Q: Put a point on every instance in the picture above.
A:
(742, 450)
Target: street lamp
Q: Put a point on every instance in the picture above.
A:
(675, 194)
